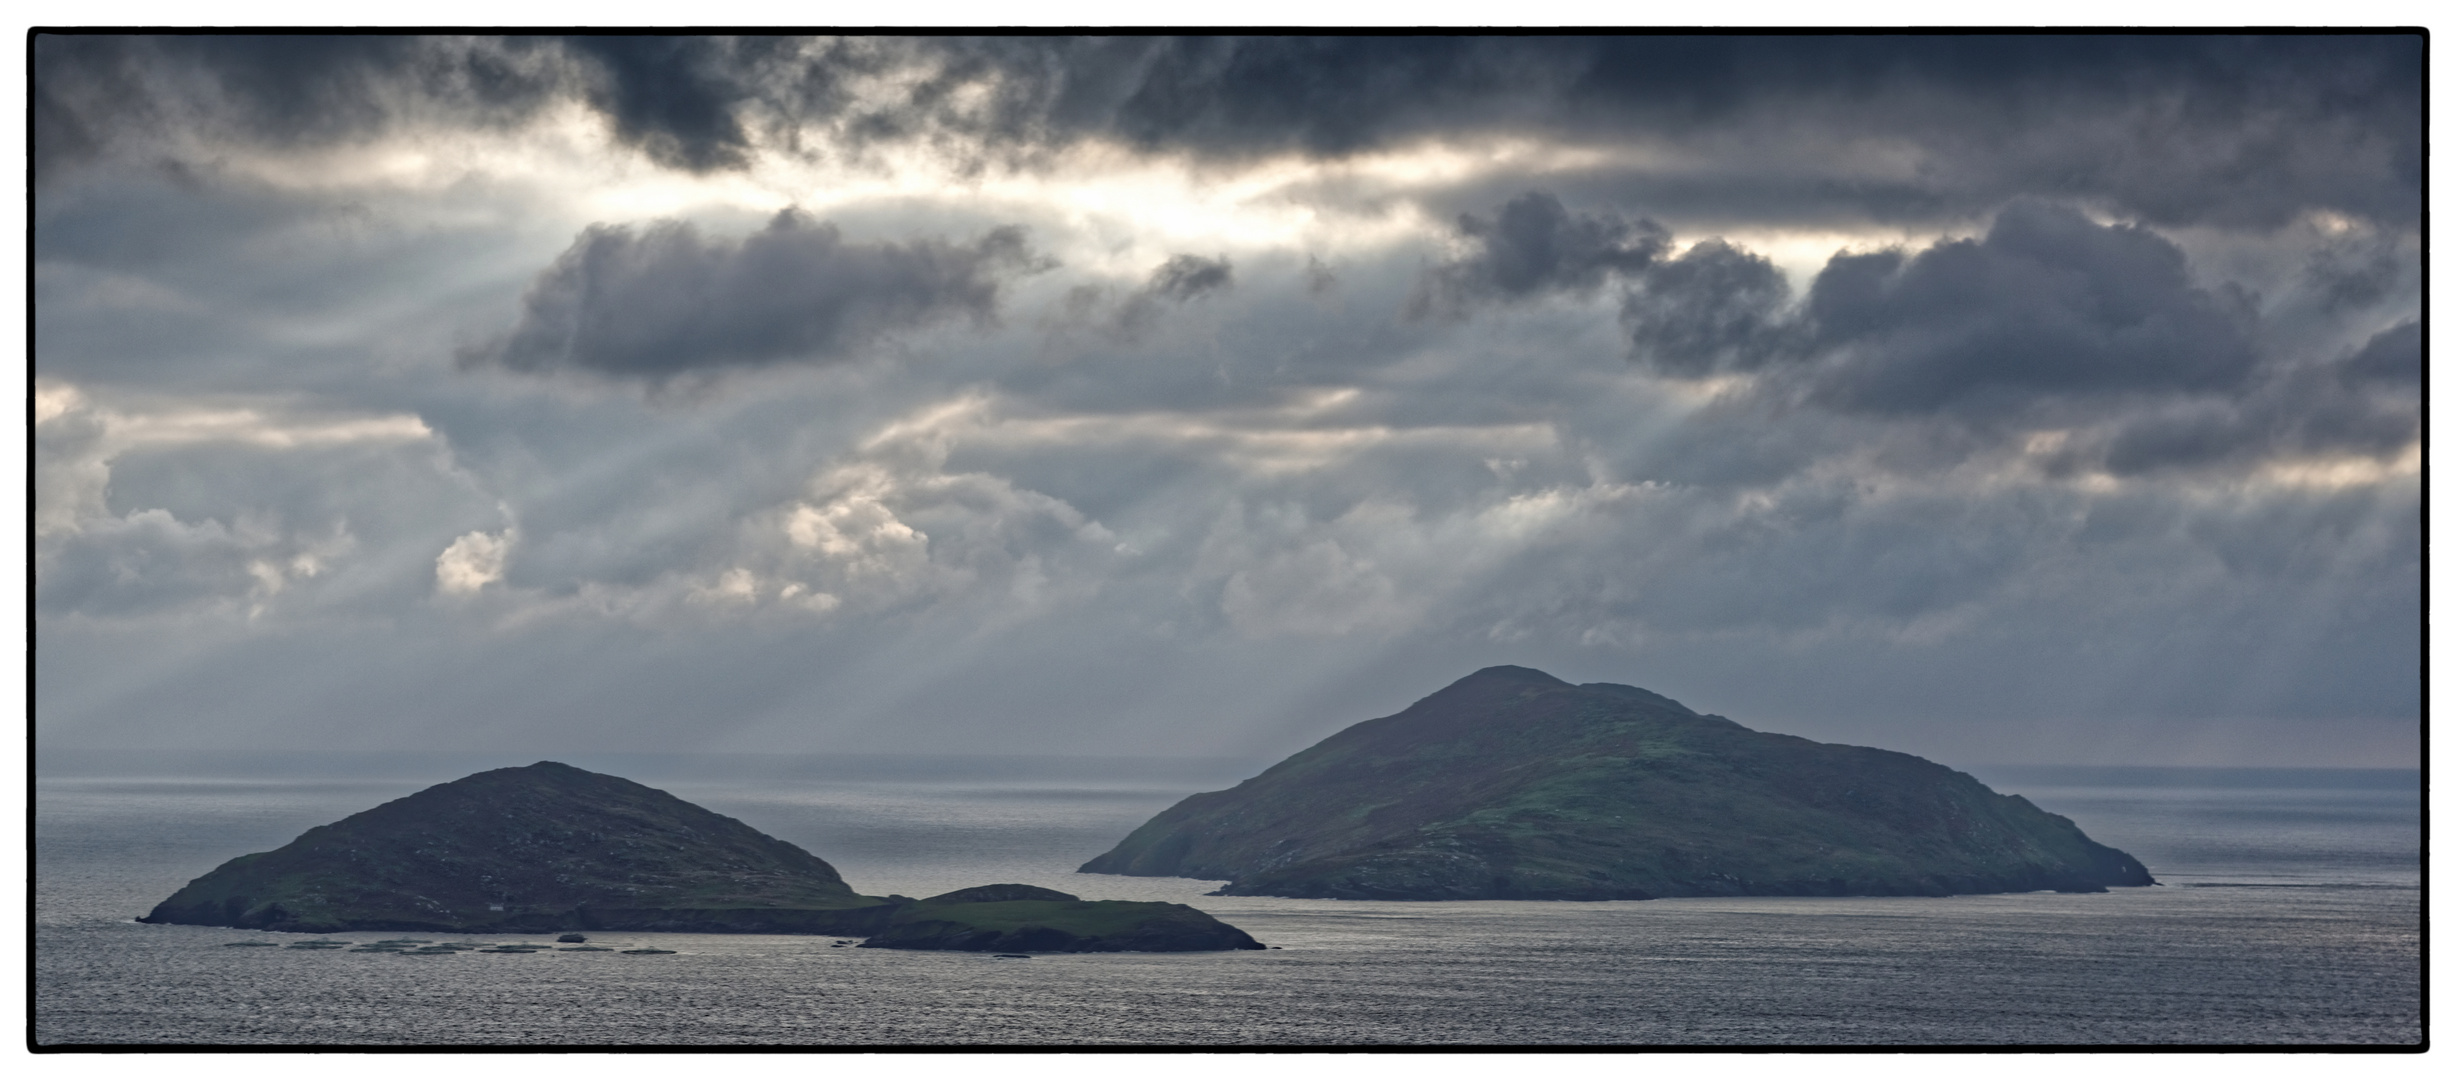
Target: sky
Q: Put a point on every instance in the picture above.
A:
(2021, 399)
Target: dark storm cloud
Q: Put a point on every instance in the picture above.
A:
(2393, 355)
(2366, 403)
(2175, 129)
(1534, 246)
(662, 301)
(2049, 320)
(2350, 276)
(679, 99)
(93, 89)
(2047, 305)
(1714, 308)
(670, 96)
(2243, 129)
(1323, 95)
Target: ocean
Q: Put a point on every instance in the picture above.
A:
(2289, 914)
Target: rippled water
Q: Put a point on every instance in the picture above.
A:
(2290, 914)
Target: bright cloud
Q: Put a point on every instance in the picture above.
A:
(474, 561)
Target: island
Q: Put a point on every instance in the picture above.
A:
(1510, 784)
(537, 849)
(549, 848)
(1026, 918)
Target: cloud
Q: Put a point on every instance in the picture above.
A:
(672, 97)
(675, 99)
(141, 94)
(2211, 128)
(150, 562)
(474, 561)
(1534, 246)
(1715, 308)
(2393, 355)
(663, 301)
(1318, 589)
(2355, 272)
(2091, 346)
(895, 526)
(1943, 407)
(2363, 405)
(2047, 306)
(1184, 277)
(2172, 129)
(1130, 318)
(72, 459)
(885, 534)
(150, 508)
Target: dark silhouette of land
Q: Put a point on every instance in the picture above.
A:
(1512, 784)
(549, 848)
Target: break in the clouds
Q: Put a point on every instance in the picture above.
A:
(1994, 398)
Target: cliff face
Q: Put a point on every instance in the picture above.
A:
(1511, 784)
(527, 850)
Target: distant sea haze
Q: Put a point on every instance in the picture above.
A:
(2289, 914)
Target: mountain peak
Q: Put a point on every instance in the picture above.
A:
(1510, 673)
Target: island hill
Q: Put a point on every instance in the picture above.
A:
(550, 847)
(1512, 784)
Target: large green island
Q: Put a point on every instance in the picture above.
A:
(1512, 784)
(549, 847)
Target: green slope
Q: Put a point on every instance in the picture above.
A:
(525, 850)
(1511, 784)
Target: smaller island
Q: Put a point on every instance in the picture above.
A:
(1026, 918)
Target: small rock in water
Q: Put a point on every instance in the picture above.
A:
(572, 939)
(1012, 956)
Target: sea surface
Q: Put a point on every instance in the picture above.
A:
(2289, 912)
